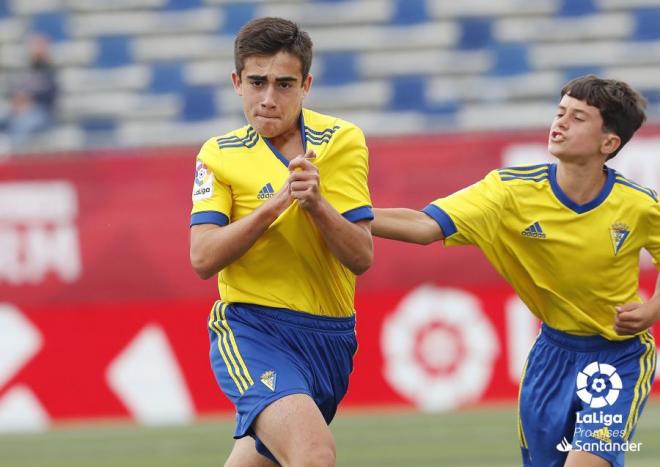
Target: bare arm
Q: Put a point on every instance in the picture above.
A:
(632, 318)
(350, 242)
(406, 225)
(212, 247)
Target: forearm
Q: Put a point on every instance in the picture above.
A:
(350, 242)
(214, 248)
(406, 225)
(655, 299)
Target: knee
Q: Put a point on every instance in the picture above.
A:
(321, 456)
(314, 455)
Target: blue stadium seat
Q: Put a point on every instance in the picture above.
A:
(510, 59)
(99, 132)
(182, 4)
(577, 8)
(476, 33)
(236, 15)
(113, 51)
(408, 93)
(4, 8)
(409, 12)
(198, 103)
(52, 25)
(338, 68)
(647, 24)
(166, 77)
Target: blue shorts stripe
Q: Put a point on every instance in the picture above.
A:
(643, 384)
(218, 325)
(234, 347)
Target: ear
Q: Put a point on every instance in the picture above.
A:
(236, 81)
(307, 84)
(611, 143)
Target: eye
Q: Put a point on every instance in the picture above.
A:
(579, 119)
(285, 85)
(559, 115)
(256, 83)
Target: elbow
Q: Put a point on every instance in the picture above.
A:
(362, 264)
(201, 267)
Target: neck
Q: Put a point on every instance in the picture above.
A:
(581, 181)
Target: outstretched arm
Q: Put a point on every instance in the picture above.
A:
(212, 247)
(632, 318)
(349, 241)
(406, 225)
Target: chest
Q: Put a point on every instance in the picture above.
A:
(607, 236)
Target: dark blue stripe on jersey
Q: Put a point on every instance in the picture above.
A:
(646, 191)
(581, 208)
(526, 168)
(359, 214)
(531, 179)
(227, 139)
(248, 141)
(505, 173)
(317, 141)
(327, 131)
(209, 217)
(442, 218)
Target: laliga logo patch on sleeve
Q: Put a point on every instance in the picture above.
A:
(203, 188)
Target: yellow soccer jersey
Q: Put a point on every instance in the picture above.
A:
(289, 266)
(571, 264)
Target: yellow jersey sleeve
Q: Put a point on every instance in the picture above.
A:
(653, 245)
(212, 198)
(473, 214)
(344, 176)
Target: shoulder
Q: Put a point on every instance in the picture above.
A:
(321, 128)
(522, 175)
(639, 193)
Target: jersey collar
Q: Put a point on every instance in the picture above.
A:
(572, 205)
(277, 153)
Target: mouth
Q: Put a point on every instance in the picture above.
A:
(557, 137)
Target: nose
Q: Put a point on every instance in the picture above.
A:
(268, 97)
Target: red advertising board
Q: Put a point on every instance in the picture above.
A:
(102, 316)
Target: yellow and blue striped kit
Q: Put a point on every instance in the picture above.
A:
(238, 172)
(572, 264)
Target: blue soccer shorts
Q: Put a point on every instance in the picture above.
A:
(583, 393)
(261, 354)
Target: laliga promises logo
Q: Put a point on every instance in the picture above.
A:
(598, 385)
(201, 173)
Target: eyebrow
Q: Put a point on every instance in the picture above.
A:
(563, 109)
(281, 79)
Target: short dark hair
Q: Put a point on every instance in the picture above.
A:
(621, 107)
(268, 36)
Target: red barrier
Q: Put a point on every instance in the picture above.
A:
(102, 316)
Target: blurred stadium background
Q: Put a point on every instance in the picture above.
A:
(103, 351)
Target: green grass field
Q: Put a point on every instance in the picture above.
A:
(472, 438)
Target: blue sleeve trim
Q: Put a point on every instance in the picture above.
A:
(359, 214)
(209, 217)
(442, 218)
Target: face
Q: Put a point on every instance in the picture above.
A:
(273, 90)
(577, 132)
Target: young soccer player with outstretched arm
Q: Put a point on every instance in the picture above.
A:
(567, 237)
(281, 211)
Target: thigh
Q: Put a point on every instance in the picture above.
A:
(252, 367)
(294, 431)
(244, 454)
(547, 405)
(613, 388)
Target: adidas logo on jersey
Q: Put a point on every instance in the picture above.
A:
(266, 192)
(534, 231)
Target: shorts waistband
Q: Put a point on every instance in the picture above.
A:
(297, 318)
(583, 343)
